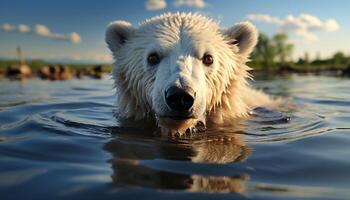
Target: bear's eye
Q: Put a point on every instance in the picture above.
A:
(207, 59)
(153, 59)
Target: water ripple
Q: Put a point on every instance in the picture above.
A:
(67, 132)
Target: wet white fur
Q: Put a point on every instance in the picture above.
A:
(222, 91)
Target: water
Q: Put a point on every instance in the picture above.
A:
(61, 140)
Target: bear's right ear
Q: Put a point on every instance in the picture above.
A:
(244, 35)
(117, 33)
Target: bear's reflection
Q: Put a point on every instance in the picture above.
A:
(131, 152)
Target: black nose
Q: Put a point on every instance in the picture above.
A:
(178, 99)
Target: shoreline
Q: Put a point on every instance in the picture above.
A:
(52, 72)
(86, 74)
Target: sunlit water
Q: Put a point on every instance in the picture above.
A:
(62, 140)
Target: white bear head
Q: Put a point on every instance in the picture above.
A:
(178, 68)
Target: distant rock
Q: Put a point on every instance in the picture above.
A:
(65, 73)
(80, 73)
(44, 72)
(2, 73)
(55, 72)
(51, 72)
(16, 71)
(346, 71)
(97, 72)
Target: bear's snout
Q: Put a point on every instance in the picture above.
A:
(180, 100)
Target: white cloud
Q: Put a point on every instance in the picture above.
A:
(155, 4)
(190, 3)
(8, 27)
(306, 35)
(42, 30)
(263, 18)
(303, 25)
(331, 25)
(75, 37)
(23, 28)
(72, 37)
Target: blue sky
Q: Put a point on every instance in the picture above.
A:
(314, 26)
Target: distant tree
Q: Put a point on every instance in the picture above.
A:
(263, 55)
(300, 61)
(306, 59)
(339, 59)
(268, 51)
(282, 47)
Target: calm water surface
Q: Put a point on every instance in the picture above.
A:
(62, 140)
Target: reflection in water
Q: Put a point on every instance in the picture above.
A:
(56, 136)
(17, 177)
(232, 184)
(131, 152)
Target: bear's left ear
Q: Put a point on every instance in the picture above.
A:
(117, 33)
(244, 35)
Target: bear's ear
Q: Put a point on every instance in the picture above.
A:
(117, 33)
(244, 35)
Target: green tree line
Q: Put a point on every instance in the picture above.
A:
(274, 53)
